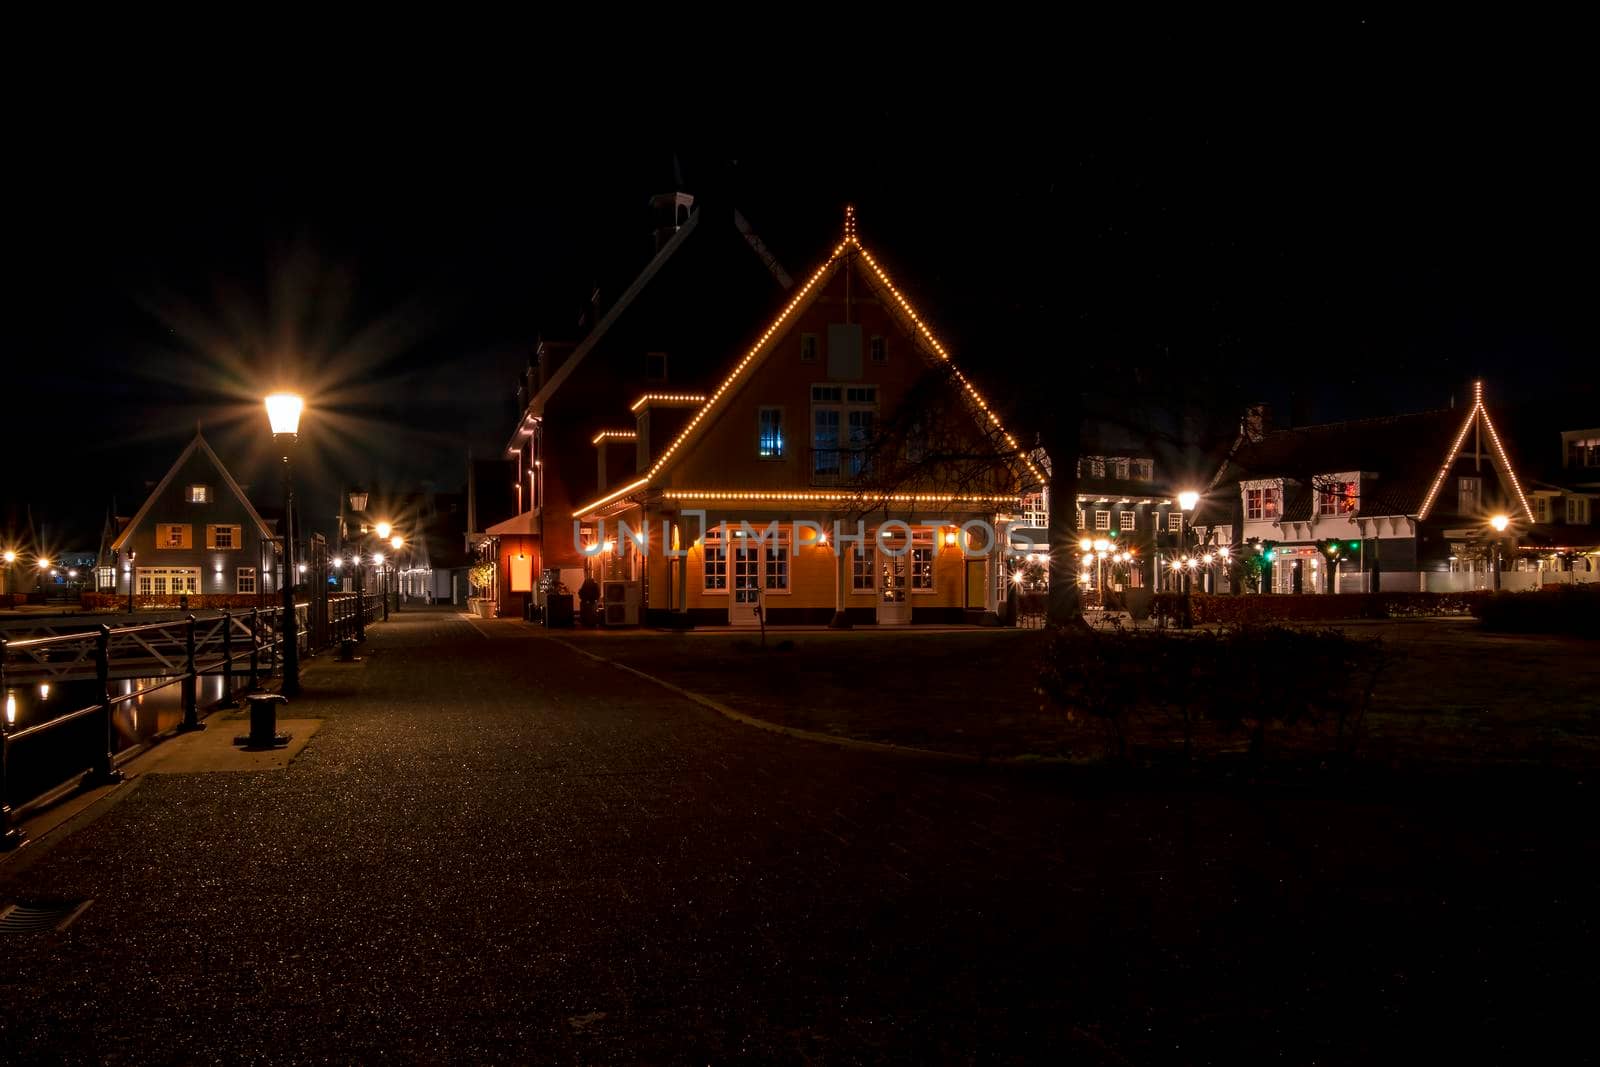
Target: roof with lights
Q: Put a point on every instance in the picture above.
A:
(848, 248)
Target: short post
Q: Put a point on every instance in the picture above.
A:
(227, 658)
(11, 835)
(103, 772)
(255, 649)
(191, 716)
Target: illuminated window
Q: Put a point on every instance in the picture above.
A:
(223, 537)
(769, 433)
(1337, 498)
(715, 564)
(173, 535)
(1034, 512)
(1174, 521)
(1102, 520)
(1259, 503)
(1127, 520)
(199, 494)
(245, 580)
(106, 577)
(861, 578)
(922, 561)
(777, 567)
(1080, 518)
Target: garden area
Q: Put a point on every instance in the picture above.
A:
(1394, 693)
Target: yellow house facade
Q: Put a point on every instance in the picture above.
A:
(844, 471)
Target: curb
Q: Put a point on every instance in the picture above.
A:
(927, 754)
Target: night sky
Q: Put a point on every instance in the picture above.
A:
(1347, 233)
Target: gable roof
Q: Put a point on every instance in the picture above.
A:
(642, 281)
(846, 250)
(199, 443)
(1411, 454)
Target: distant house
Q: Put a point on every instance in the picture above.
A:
(197, 536)
(1563, 544)
(1408, 500)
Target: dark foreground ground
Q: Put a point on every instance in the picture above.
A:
(496, 849)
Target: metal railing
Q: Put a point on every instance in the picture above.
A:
(176, 652)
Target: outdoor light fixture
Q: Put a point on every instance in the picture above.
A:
(383, 529)
(1101, 545)
(377, 557)
(44, 564)
(950, 537)
(358, 500)
(283, 411)
(1188, 499)
(396, 541)
(337, 563)
(1086, 544)
(300, 568)
(11, 557)
(11, 709)
(1499, 522)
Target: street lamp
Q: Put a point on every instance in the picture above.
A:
(1499, 522)
(383, 582)
(396, 542)
(283, 412)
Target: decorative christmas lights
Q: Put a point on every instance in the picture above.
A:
(1478, 411)
(668, 400)
(614, 435)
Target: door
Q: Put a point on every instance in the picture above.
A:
(744, 582)
(893, 607)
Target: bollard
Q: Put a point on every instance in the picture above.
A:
(104, 772)
(227, 658)
(191, 717)
(255, 648)
(264, 722)
(11, 835)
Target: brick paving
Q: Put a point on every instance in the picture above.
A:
(498, 850)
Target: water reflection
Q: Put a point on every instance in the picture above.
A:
(134, 721)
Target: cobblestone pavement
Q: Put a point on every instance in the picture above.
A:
(496, 849)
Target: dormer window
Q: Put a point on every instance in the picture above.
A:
(1337, 497)
(1470, 497)
(1262, 503)
(199, 494)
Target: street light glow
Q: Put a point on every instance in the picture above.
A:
(396, 541)
(383, 529)
(11, 557)
(1188, 499)
(377, 557)
(1499, 522)
(283, 411)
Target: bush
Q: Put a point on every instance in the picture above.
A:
(1565, 609)
(1245, 679)
(1257, 609)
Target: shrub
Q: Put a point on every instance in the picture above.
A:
(1248, 678)
(1565, 609)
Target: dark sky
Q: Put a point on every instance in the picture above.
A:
(1358, 224)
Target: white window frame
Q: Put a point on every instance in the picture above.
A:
(774, 554)
(862, 565)
(1128, 520)
(174, 581)
(1578, 511)
(1102, 520)
(924, 562)
(240, 574)
(213, 540)
(1175, 521)
(712, 550)
(204, 496)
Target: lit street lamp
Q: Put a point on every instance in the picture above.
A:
(396, 542)
(283, 411)
(1499, 522)
(1188, 500)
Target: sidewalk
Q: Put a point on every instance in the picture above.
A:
(496, 849)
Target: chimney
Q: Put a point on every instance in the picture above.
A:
(669, 212)
(1254, 425)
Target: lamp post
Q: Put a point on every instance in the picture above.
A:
(1188, 499)
(283, 411)
(383, 583)
(1499, 522)
(396, 542)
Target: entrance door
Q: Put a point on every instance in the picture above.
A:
(744, 573)
(893, 607)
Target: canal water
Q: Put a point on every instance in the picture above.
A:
(42, 762)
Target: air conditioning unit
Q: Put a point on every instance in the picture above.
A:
(621, 603)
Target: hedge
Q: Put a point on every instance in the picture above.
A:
(1562, 609)
(1306, 607)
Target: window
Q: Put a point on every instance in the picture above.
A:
(1033, 510)
(1541, 508)
(1097, 466)
(808, 348)
(223, 537)
(1127, 518)
(715, 563)
(105, 578)
(1584, 453)
(199, 494)
(825, 441)
(1080, 519)
(1144, 470)
(860, 439)
(1578, 510)
(1258, 504)
(777, 567)
(1337, 498)
(1119, 466)
(173, 535)
(861, 570)
(1175, 521)
(1469, 495)
(880, 354)
(922, 561)
(655, 366)
(245, 580)
(168, 581)
(1102, 520)
(769, 433)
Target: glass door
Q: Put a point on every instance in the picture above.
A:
(744, 573)
(893, 607)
